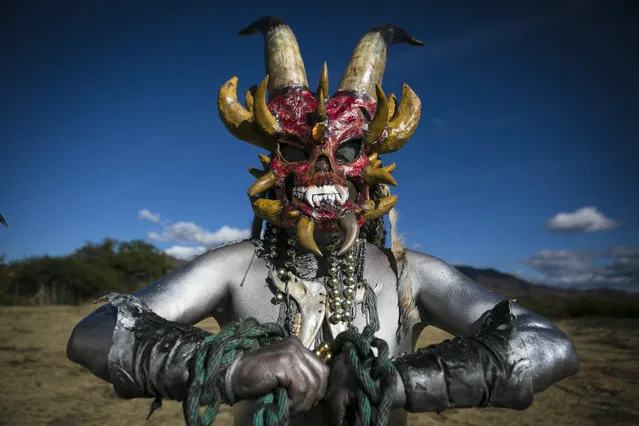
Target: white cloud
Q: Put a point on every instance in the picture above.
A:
(617, 267)
(189, 232)
(586, 219)
(184, 252)
(146, 214)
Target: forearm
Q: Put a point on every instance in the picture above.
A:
(145, 355)
(499, 366)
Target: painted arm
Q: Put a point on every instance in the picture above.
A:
(144, 343)
(503, 356)
(118, 341)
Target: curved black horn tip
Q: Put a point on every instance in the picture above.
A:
(392, 34)
(262, 25)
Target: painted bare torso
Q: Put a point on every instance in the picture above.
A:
(248, 294)
(230, 283)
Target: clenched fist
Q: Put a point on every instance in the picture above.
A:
(286, 364)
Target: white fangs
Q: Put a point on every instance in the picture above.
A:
(318, 195)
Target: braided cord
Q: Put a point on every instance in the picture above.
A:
(215, 353)
(376, 375)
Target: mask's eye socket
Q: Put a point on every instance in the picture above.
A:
(292, 154)
(348, 151)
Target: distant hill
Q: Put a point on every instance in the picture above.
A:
(503, 283)
(507, 284)
(177, 262)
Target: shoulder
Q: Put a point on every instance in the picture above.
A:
(231, 253)
(222, 264)
(431, 268)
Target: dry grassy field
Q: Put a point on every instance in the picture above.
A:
(41, 387)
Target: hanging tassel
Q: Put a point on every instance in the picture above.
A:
(369, 307)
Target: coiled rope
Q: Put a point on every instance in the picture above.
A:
(217, 352)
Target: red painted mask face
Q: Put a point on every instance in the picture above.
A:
(319, 164)
(324, 149)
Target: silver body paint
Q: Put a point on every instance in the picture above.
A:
(229, 283)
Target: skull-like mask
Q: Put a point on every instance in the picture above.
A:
(324, 149)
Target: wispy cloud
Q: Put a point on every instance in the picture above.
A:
(189, 232)
(184, 252)
(586, 219)
(617, 267)
(192, 239)
(147, 215)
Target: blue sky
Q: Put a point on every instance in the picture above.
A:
(529, 111)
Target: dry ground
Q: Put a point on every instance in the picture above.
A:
(41, 387)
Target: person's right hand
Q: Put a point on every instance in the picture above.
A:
(286, 364)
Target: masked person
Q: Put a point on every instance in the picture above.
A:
(318, 265)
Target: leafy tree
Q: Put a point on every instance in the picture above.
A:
(91, 271)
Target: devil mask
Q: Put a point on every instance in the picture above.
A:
(324, 149)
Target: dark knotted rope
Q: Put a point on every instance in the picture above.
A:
(216, 353)
(375, 374)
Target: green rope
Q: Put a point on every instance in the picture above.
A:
(376, 375)
(215, 353)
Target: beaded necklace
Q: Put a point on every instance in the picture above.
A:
(342, 276)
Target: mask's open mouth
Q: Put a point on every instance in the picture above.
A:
(321, 196)
(320, 204)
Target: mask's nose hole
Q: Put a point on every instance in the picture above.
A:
(323, 164)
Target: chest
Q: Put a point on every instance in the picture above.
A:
(256, 296)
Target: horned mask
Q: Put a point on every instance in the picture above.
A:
(324, 149)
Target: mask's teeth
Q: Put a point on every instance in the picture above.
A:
(310, 192)
(298, 192)
(343, 193)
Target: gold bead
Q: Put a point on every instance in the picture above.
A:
(327, 356)
(350, 269)
(336, 317)
(335, 294)
(336, 305)
(325, 347)
(332, 271)
(348, 293)
(349, 281)
(318, 353)
(333, 282)
(347, 304)
(347, 317)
